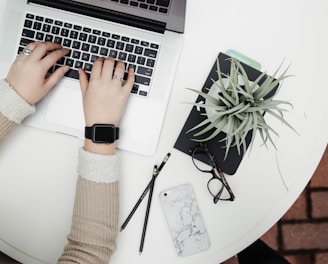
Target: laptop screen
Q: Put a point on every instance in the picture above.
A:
(153, 15)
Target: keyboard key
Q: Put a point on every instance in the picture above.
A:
(37, 25)
(115, 36)
(132, 58)
(28, 23)
(69, 62)
(85, 47)
(164, 3)
(58, 40)
(150, 53)
(74, 34)
(76, 45)
(55, 30)
(46, 28)
(144, 43)
(141, 60)
(28, 33)
(150, 63)
(92, 39)
(68, 25)
(142, 80)
(39, 36)
(49, 38)
(138, 50)
(101, 41)
(145, 71)
(64, 32)
(119, 45)
(25, 42)
(103, 52)
(153, 8)
(110, 43)
(76, 54)
(67, 43)
(85, 56)
(83, 37)
(133, 3)
(58, 23)
(88, 67)
(163, 10)
(113, 53)
(122, 56)
(49, 21)
(39, 18)
(78, 64)
(72, 74)
(129, 47)
(94, 49)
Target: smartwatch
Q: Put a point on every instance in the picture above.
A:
(102, 133)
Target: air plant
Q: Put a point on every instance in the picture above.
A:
(235, 105)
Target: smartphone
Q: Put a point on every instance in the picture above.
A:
(184, 220)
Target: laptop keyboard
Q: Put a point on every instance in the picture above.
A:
(161, 6)
(87, 44)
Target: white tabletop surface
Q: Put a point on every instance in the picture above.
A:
(38, 169)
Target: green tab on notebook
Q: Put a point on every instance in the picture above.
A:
(242, 58)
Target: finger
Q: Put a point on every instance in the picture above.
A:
(130, 80)
(54, 56)
(55, 77)
(108, 68)
(33, 45)
(84, 82)
(119, 71)
(40, 50)
(97, 68)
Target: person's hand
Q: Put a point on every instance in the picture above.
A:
(104, 96)
(27, 74)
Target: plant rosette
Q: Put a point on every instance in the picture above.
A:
(236, 105)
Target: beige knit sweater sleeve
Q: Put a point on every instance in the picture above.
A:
(95, 216)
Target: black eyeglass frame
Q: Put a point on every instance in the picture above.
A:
(216, 172)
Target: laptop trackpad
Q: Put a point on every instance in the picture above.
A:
(65, 108)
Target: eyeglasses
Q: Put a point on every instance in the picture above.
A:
(217, 186)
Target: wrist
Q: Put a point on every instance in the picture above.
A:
(102, 149)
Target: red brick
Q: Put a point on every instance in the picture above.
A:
(299, 259)
(319, 202)
(298, 210)
(321, 258)
(305, 236)
(233, 260)
(320, 176)
(271, 237)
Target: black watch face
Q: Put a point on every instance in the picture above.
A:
(104, 134)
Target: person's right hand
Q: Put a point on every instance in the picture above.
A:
(27, 75)
(104, 96)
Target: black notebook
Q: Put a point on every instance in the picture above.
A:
(184, 143)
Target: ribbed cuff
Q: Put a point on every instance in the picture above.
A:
(12, 105)
(97, 168)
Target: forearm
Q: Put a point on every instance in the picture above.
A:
(13, 109)
(95, 216)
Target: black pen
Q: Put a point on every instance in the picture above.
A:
(155, 173)
(144, 192)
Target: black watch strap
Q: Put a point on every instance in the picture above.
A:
(102, 133)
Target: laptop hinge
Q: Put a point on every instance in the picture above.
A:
(103, 13)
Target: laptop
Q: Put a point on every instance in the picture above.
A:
(146, 34)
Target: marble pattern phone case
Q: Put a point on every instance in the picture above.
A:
(184, 219)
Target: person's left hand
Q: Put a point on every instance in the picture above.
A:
(27, 75)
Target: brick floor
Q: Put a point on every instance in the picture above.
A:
(301, 235)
